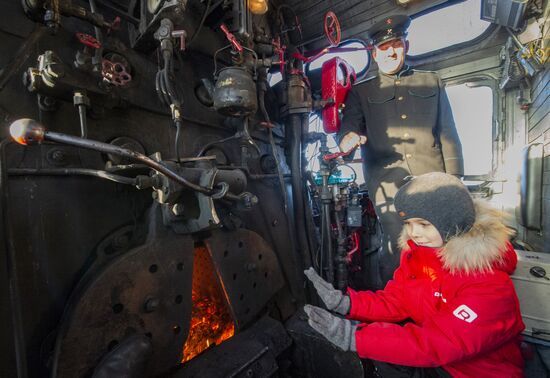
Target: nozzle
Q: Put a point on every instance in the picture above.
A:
(27, 131)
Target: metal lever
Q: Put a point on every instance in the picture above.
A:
(181, 35)
(231, 38)
(27, 131)
(335, 155)
(539, 272)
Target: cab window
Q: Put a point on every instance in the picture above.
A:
(445, 27)
(352, 171)
(472, 108)
(357, 56)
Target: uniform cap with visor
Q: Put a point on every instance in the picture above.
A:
(392, 27)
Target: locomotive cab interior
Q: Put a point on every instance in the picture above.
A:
(169, 169)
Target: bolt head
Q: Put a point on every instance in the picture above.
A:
(151, 304)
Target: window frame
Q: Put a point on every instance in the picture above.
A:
(472, 42)
(485, 80)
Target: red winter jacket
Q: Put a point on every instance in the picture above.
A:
(465, 311)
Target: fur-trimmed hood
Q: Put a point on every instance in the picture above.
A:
(483, 248)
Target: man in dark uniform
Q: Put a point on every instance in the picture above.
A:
(403, 120)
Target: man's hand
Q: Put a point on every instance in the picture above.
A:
(351, 140)
(338, 331)
(333, 299)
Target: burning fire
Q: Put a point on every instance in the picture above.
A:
(211, 321)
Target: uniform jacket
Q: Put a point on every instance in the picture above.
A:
(408, 122)
(464, 308)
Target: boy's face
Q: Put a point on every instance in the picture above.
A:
(390, 55)
(423, 233)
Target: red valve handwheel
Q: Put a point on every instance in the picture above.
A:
(332, 28)
(88, 40)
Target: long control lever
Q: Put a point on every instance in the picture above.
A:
(231, 38)
(335, 155)
(27, 131)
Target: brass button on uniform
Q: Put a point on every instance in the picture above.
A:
(408, 156)
(403, 116)
(397, 82)
(406, 135)
(400, 98)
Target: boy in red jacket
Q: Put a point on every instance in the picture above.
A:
(453, 283)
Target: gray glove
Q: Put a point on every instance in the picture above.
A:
(338, 331)
(333, 299)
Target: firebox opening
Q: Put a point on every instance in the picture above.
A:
(211, 319)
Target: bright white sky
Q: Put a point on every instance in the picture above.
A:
(473, 114)
(446, 27)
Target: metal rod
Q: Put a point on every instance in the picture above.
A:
(515, 39)
(112, 149)
(72, 172)
(83, 124)
(99, 36)
(298, 185)
(341, 267)
(330, 257)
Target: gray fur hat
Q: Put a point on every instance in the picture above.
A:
(441, 199)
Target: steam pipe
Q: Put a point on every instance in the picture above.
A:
(330, 254)
(99, 36)
(297, 184)
(261, 97)
(240, 13)
(341, 268)
(27, 131)
(11, 267)
(325, 224)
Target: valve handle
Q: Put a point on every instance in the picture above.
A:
(335, 155)
(181, 35)
(114, 26)
(88, 40)
(231, 38)
(280, 48)
(332, 28)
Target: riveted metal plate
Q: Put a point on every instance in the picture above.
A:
(249, 271)
(146, 290)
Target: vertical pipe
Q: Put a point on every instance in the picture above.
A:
(295, 125)
(98, 56)
(11, 267)
(330, 254)
(341, 266)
